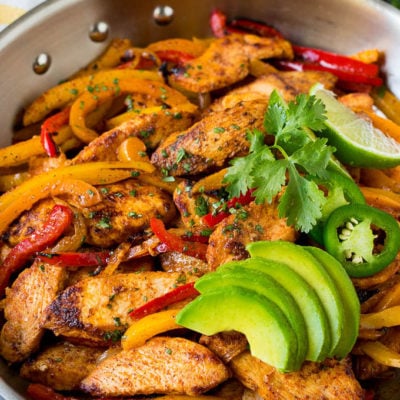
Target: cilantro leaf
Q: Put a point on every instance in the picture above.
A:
(313, 156)
(273, 172)
(301, 202)
(295, 151)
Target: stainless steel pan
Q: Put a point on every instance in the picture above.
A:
(63, 35)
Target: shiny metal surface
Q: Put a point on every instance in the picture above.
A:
(71, 32)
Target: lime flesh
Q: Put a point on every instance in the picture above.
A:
(358, 143)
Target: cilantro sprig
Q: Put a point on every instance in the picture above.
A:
(295, 153)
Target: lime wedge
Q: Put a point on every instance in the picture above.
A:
(358, 143)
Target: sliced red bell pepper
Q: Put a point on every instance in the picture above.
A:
(218, 23)
(342, 75)
(59, 219)
(212, 219)
(50, 127)
(176, 243)
(76, 259)
(174, 56)
(37, 391)
(255, 27)
(180, 293)
(336, 61)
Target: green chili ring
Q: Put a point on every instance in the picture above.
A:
(363, 238)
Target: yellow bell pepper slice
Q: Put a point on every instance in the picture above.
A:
(89, 101)
(387, 102)
(210, 182)
(65, 93)
(381, 319)
(380, 353)
(126, 116)
(20, 199)
(147, 327)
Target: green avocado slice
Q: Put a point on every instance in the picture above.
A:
(351, 303)
(268, 287)
(314, 273)
(316, 320)
(271, 337)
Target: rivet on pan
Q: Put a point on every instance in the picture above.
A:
(41, 63)
(163, 15)
(99, 31)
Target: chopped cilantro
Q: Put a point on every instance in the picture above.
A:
(269, 169)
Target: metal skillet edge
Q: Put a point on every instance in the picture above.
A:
(61, 29)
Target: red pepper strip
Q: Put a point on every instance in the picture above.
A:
(174, 56)
(218, 23)
(50, 127)
(76, 259)
(59, 219)
(175, 242)
(342, 75)
(255, 27)
(336, 61)
(180, 293)
(37, 391)
(213, 219)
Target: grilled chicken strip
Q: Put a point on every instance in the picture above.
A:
(226, 345)
(288, 83)
(213, 141)
(227, 60)
(97, 309)
(33, 290)
(125, 210)
(163, 365)
(254, 222)
(151, 128)
(327, 380)
(61, 366)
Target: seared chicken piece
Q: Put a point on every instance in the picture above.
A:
(211, 142)
(367, 368)
(96, 309)
(62, 366)
(192, 206)
(288, 84)
(33, 290)
(125, 210)
(162, 365)
(226, 345)
(227, 60)
(151, 128)
(252, 223)
(173, 261)
(327, 380)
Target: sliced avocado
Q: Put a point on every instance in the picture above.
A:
(268, 287)
(316, 320)
(313, 272)
(271, 337)
(351, 303)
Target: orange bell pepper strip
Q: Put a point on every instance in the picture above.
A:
(59, 219)
(151, 325)
(64, 180)
(65, 93)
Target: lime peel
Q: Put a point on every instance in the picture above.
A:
(358, 143)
